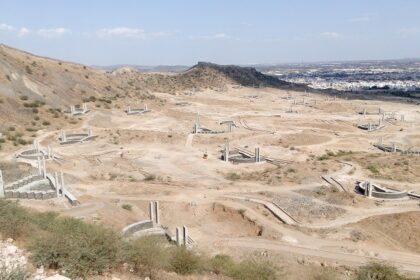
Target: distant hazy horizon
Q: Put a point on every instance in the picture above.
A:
(183, 32)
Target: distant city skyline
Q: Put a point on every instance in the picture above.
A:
(184, 32)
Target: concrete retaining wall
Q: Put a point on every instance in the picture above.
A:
(133, 228)
(379, 192)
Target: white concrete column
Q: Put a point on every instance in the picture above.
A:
(394, 148)
(370, 127)
(62, 183)
(364, 112)
(39, 166)
(185, 236)
(63, 136)
(370, 190)
(257, 154)
(89, 132)
(178, 236)
(72, 109)
(145, 107)
(151, 212)
(50, 152)
(226, 154)
(381, 140)
(57, 187)
(1, 185)
(36, 145)
(44, 169)
(84, 107)
(129, 110)
(157, 218)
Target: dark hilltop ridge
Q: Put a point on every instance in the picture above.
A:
(245, 76)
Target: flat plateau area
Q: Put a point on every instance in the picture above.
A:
(154, 156)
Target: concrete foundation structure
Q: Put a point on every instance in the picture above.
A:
(239, 155)
(198, 129)
(137, 111)
(78, 110)
(42, 185)
(370, 127)
(37, 152)
(371, 190)
(73, 138)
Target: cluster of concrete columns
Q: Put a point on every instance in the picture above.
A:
(181, 237)
(154, 212)
(59, 183)
(368, 189)
(73, 109)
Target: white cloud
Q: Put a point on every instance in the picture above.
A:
(125, 32)
(6, 27)
(330, 35)
(217, 36)
(23, 31)
(409, 32)
(322, 35)
(53, 32)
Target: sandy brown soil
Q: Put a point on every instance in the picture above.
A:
(136, 159)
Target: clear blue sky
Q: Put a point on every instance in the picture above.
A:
(152, 32)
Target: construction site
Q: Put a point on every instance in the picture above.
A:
(247, 178)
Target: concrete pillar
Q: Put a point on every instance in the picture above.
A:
(62, 183)
(72, 109)
(383, 116)
(151, 212)
(36, 145)
(226, 152)
(145, 107)
(381, 140)
(230, 127)
(63, 136)
(185, 236)
(369, 127)
(84, 107)
(370, 190)
(380, 123)
(90, 132)
(364, 112)
(394, 148)
(129, 110)
(39, 166)
(157, 219)
(44, 169)
(178, 236)
(257, 154)
(197, 122)
(1, 185)
(50, 152)
(402, 118)
(57, 185)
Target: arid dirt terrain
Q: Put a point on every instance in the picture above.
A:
(154, 156)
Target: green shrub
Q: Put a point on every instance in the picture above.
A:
(150, 177)
(184, 261)
(147, 255)
(127, 207)
(232, 176)
(373, 169)
(14, 220)
(16, 273)
(378, 271)
(253, 270)
(221, 264)
(79, 248)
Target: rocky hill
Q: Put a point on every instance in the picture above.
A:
(34, 89)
